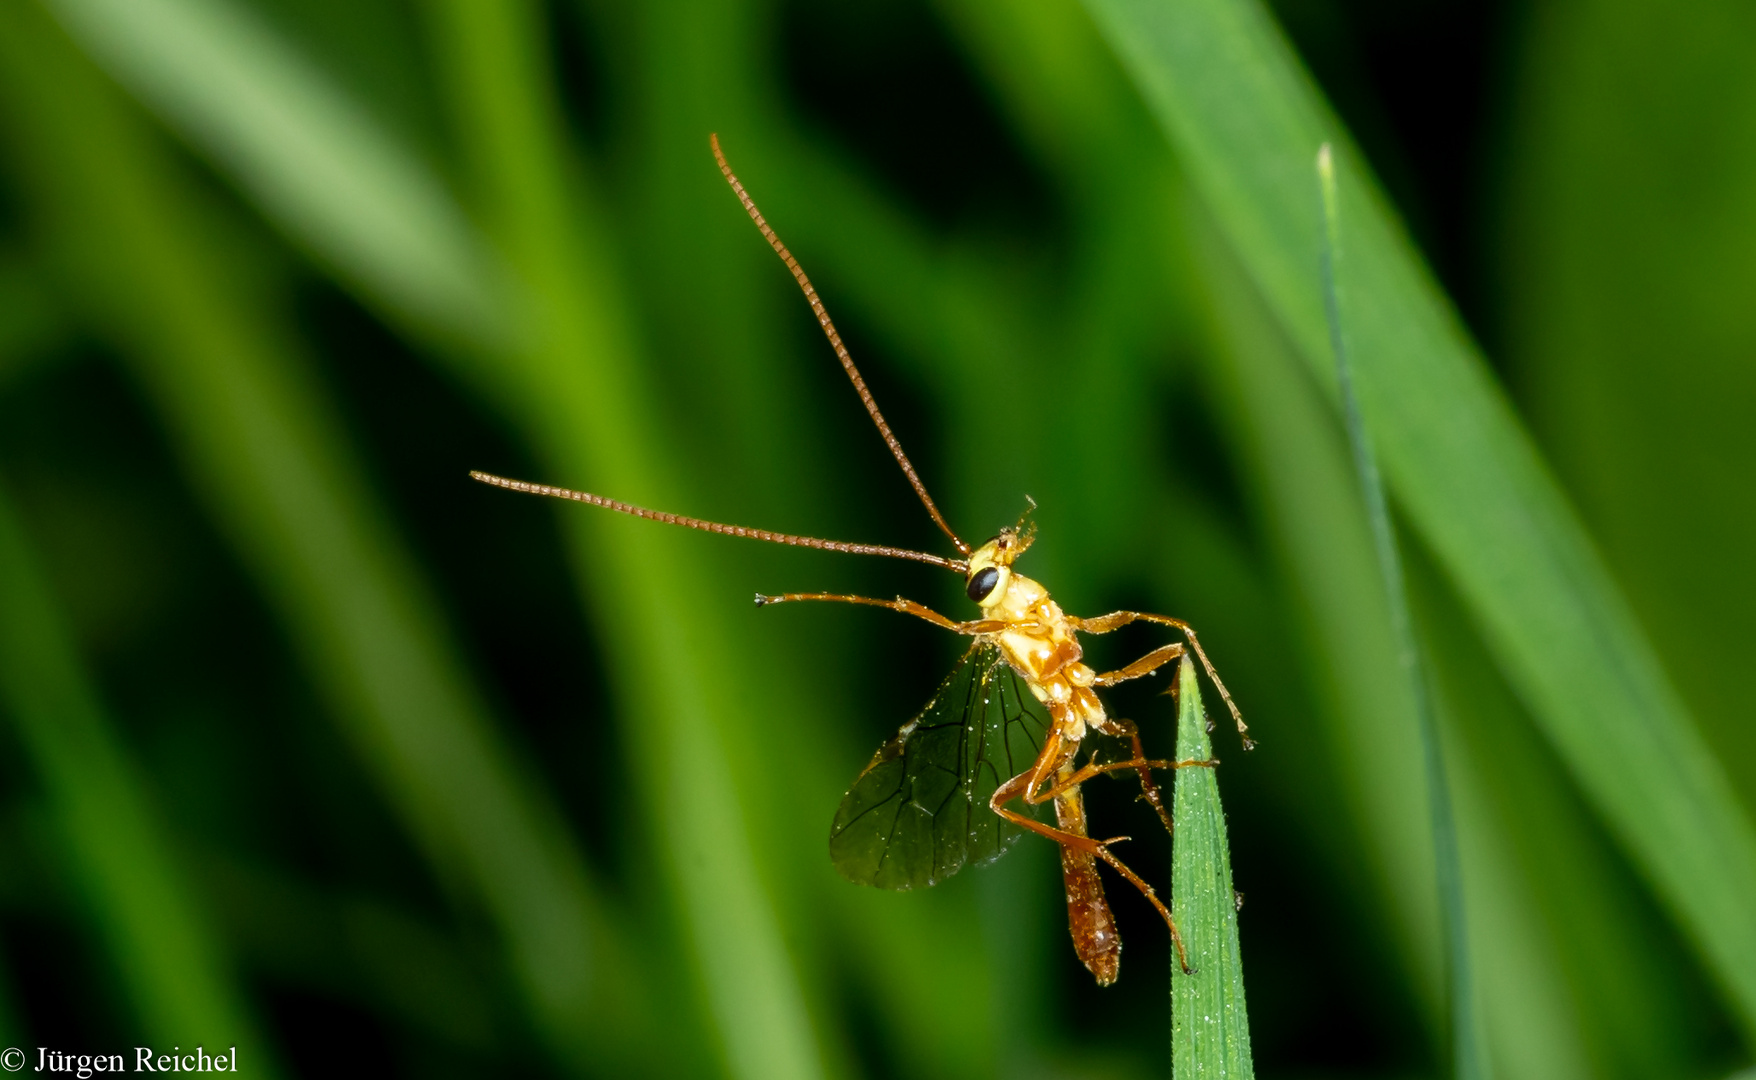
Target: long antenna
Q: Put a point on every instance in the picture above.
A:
(841, 351)
(954, 565)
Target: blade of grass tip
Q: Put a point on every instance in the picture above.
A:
(119, 852)
(1210, 1027)
(1529, 990)
(1243, 115)
(264, 454)
(1469, 1062)
(1307, 501)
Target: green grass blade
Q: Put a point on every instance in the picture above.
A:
(1623, 295)
(1468, 1060)
(1295, 459)
(1244, 119)
(587, 404)
(571, 392)
(364, 205)
(1210, 1026)
(259, 445)
(117, 849)
(1551, 905)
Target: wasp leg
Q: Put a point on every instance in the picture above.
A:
(1146, 890)
(1020, 784)
(1016, 787)
(907, 607)
(1057, 758)
(1037, 798)
(1149, 788)
(1146, 665)
(1115, 620)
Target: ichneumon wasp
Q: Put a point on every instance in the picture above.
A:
(956, 785)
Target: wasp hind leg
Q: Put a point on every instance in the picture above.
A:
(1142, 766)
(1019, 787)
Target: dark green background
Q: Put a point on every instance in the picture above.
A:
(315, 747)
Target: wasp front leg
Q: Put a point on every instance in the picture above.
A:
(906, 606)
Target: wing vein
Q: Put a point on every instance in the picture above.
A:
(918, 812)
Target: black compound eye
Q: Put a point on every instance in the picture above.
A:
(983, 583)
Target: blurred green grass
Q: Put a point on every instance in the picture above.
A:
(468, 785)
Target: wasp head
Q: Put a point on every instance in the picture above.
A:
(990, 565)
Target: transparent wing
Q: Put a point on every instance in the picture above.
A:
(919, 811)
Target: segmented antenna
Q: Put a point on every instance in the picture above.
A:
(954, 565)
(841, 352)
